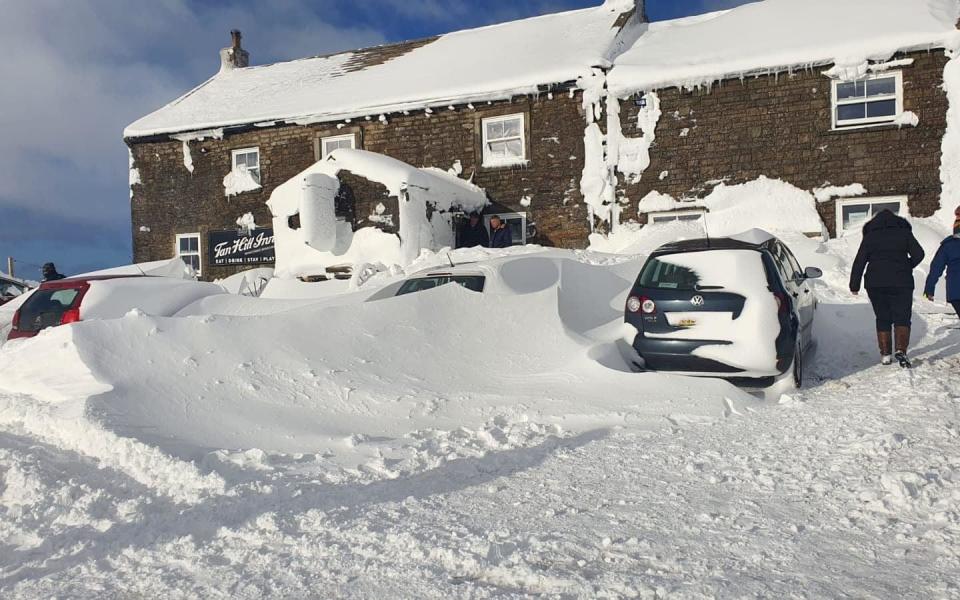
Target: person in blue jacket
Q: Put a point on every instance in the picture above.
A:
(500, 236)
(947, 259)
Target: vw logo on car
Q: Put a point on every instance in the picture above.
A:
(697, 301)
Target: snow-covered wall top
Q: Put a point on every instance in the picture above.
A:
(482, 64)
(776, 35)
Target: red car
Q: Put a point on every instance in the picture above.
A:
(104, 297)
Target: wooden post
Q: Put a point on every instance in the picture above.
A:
(10, 267)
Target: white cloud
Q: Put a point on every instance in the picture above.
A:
(75, 73)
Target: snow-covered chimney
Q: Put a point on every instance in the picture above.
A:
(235, 56)
(628, 7)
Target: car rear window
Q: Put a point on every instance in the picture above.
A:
(474, 283)
(45, 308)
(661, 275)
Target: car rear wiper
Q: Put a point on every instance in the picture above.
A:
(704, 288)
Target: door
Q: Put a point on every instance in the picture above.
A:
(802, 292)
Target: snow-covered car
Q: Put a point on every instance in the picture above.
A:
(67, 301)
(740, 308)
(507, 275)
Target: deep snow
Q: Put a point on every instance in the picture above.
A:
(450, 444)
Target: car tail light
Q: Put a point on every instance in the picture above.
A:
(634, 304)
(70, 316)
(648, 306)
(16, 319)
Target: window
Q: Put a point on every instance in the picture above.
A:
(188, 250)
(677, 215)
(329, 144)
(248, 159)
(787, 265)
(853, 213)
(874, 100)
(474, 283)
(504, 141)
(661, 275)
(45, 308)
(515, 222)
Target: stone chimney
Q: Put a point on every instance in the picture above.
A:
(234, 57)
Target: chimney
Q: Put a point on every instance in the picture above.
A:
(234, 57)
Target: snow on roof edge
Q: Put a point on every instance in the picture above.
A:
(529, 87)
(386, 109)
(701, 79)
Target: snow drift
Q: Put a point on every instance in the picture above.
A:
(426, 197)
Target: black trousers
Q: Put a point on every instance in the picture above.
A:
(893, 306)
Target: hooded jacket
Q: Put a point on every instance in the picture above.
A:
(889, 253)
(947, 259)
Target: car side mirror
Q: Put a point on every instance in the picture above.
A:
(812, 273)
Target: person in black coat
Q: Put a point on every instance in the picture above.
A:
(49, 272)
(473, 233)
(889, 253)
(500, 236)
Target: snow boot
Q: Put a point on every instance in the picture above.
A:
(902, 336)
(885, 341)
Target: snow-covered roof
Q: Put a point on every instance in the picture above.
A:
(776, 35)
(487, 63)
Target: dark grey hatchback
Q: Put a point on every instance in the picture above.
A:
(740, 308)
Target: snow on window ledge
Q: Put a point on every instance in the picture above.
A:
(882, 125)
(510, 162)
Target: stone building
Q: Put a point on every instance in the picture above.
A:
(567, 121)
(500, 104)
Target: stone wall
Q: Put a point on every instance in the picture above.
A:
(780, 126)
(170, 199)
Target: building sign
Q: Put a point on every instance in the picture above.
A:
(231, 248)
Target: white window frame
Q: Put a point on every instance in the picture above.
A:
(842, 202)
(503, 217)
(651, 216)
(352, 137)
(835, 103)
(239, 151)
(489, 161)
(198, 254)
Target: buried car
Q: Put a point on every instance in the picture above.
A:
(740, 308)
(71, 300)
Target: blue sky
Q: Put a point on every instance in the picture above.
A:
(76, 73)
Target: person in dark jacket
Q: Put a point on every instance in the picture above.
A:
(50, 273)
(889, 253)
(500, 236)
(947, 259)
(473, 233)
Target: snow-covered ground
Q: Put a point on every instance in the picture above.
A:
(451, 444)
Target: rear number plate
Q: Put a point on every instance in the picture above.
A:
(687, 323)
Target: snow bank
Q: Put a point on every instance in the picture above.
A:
(828, 192)
(163, 296)
(415, 362)
(56, 412)
(172, 267)
(780, 35)
(504, 61)
(323, 241)
(770, 204)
